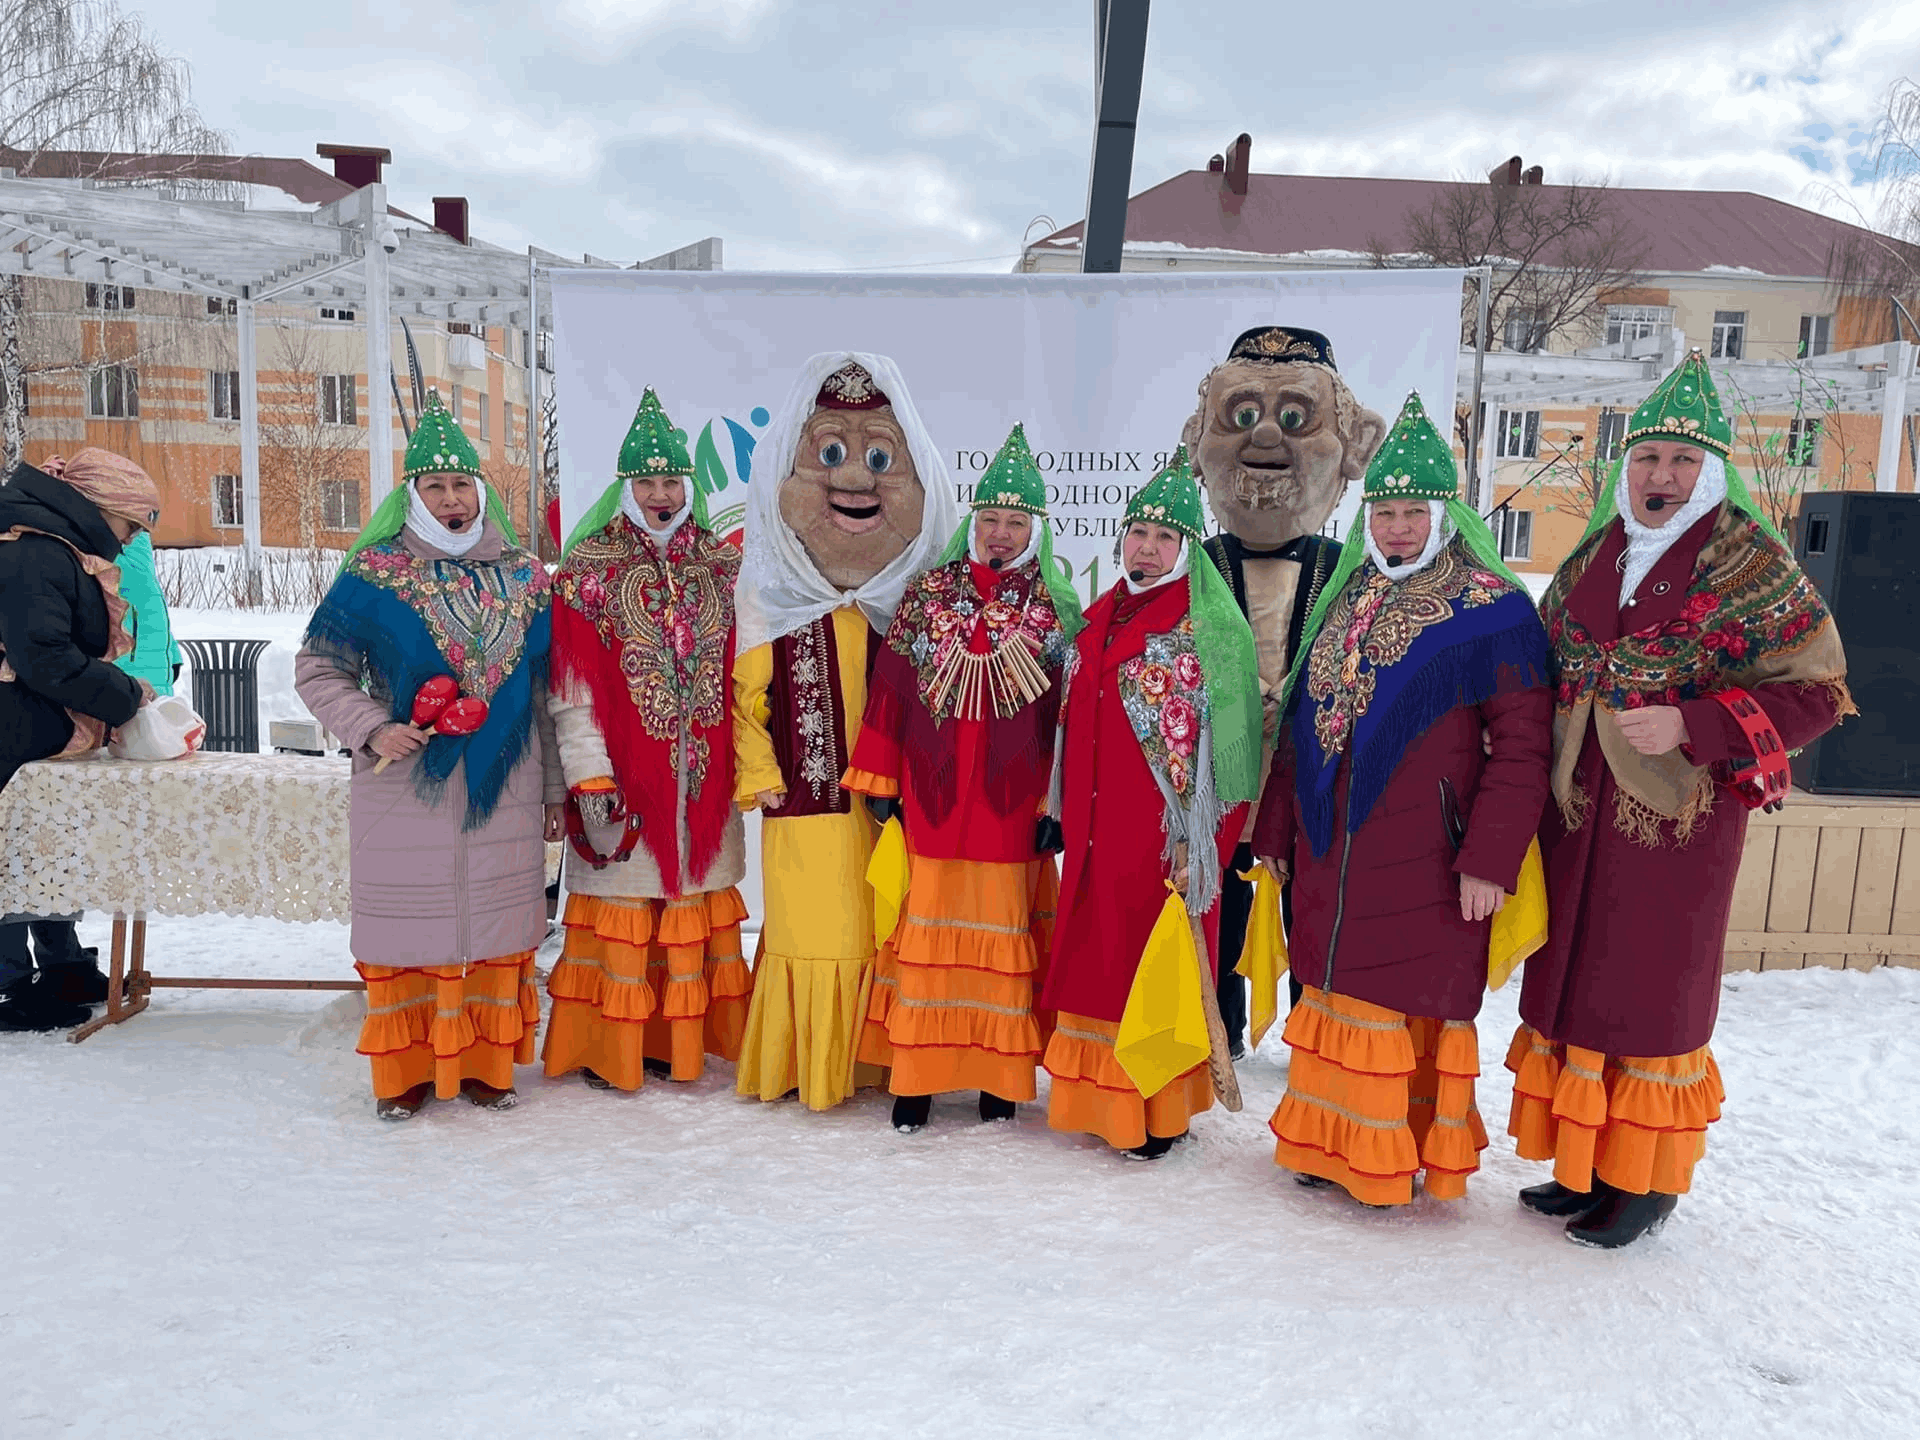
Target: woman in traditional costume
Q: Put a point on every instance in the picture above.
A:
(958, 736)
(651, 979)
(449, 864)
(1680, 612)
(1407, 786)
(1160, 755)
(851, 502)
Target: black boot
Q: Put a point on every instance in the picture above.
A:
(32, 1004)
(1556, 1200)
(992, 1107)
(1621, 1219)
(1156, 1146)
(662, 1069)
(81, 984)
(595, 1080)
(911, 1112)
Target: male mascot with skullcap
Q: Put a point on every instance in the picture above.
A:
(1276, 437)
(861, 506)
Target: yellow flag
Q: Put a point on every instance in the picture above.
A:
(1263, 956)
(1521, 926)
(888, 873)
(1163, 1030)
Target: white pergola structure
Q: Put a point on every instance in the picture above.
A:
(1876, 379)
(349, 250)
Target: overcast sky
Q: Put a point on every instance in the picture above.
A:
(912, 133)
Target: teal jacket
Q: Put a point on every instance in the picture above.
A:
(154, 652)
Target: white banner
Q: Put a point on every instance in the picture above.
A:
(1103, 369)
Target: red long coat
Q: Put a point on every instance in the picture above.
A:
(1112, 884)
(1635, 934)
(1378, 916)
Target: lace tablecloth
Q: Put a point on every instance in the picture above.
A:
(260, 835)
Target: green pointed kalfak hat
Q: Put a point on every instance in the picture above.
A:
(653, 446)
(1012, 481)
(1685, 407)
(1414, 462)
(1171, 498)
(439, 446)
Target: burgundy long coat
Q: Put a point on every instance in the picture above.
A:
(1633, 955)
(1378, 916)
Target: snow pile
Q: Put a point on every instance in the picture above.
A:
(213, 1237)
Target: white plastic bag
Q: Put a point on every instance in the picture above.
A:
(167, 729)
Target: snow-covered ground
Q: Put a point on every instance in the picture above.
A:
(210, 1236)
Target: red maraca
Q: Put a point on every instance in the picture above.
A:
(462, 717)
(429, 702)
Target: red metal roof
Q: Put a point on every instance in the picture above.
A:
(1683, 230)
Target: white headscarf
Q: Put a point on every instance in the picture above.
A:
(420, 520)
(781, 589)
(637, 513)
(1647, 543)
(1179, 569)
(1438, 533)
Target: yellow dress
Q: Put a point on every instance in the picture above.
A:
(814, 964)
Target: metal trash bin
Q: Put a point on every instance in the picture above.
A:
(226, 691)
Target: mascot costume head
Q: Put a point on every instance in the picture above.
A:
(1277, 436)
(862, 505)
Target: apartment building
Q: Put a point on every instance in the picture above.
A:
(1742, 276)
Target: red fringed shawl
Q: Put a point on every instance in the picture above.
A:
(651, 642)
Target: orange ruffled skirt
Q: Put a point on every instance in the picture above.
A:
(1638, 1122)
(648, 979)
(1093, 1095)
(1375, 1096)
(951, 1006)
(448, 1023)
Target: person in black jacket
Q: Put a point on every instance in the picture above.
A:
(1276, 438)
(60, 627)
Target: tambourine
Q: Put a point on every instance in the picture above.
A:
(1763, 784)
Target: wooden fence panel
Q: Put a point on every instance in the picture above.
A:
(1791, 903)
(1873, 886)
(1831, 911)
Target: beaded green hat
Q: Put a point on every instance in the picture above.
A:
(653, 446)
(1685, 407)
(439, 446)
(1012, 481)
(1170, 498)
(1414, 462)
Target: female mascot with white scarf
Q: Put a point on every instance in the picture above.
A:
(861, 506)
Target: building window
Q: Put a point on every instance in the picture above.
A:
(336, 399)
(223, 394)
(485, 429)
(1523, 331)
(228, 511)
(340, 505)
(1608, 434)
(218, 306)
(543, 351)
(113, 393)
(335, 312)
(1516, 534)
(506, 422)
(1803, 441)
(1627, 323)
(1816, 335)
(109, 297)
(25, 407)
(1729, 334)
(459, 327)
(454, 406)
(1517, 436)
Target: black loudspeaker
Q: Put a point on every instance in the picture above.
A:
(1863, 553)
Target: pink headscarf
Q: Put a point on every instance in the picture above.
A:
(112, 482)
